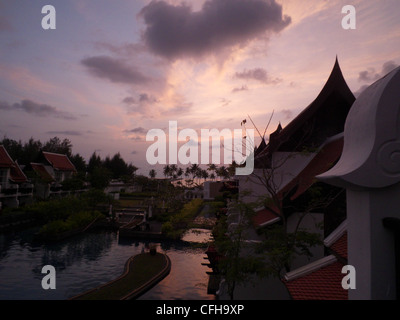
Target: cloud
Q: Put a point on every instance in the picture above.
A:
(126, 49)
(242, 88)
(136, 134)
(258, 74)
(143, 105)
(114, 70)
(224, 102)
(360, 90)
(288, 114)
(176, 31)
(370, 75)
(37, 109)
(66, 133)
(136, 130)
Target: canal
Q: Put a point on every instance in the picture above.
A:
(91, 259)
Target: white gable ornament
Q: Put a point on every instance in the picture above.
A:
(369, 169)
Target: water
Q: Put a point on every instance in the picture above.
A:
(89, 260)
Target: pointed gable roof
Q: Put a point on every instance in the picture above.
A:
(59, 161)
(16, 174)
(323, 118)
(5, 159)
(41, 171)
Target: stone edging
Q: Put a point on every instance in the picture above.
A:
(140, 290)
(149, 284)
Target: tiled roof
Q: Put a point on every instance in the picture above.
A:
(340, 246)
(16, 174)
(322, 284)
(321, 163)
(324, 280)
(264, 217)
(42, 172)
(5, 159)
(59, 161)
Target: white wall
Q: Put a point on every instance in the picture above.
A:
(286, 166)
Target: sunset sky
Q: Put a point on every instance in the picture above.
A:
(112, 70)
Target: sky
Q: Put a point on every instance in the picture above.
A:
(113, 70)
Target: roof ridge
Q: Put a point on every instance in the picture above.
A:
(309, 268)
(336, 234)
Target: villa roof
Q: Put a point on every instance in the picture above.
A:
(40, 169)
(323, 118)
(322, 279)
(5, 159)
(325, 283)
(59, 161)
(16, 174)
(323, 160)
(264, 217)
(326, 157)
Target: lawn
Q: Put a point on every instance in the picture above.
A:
(138, 271)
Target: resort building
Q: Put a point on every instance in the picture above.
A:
(51, 169)
(15, 189)
(284, 180)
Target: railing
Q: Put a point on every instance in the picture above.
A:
(9, 190)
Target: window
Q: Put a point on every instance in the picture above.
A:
(3, 176)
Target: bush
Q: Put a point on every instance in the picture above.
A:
(75, 221)
(178, 223)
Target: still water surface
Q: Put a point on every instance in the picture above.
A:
(89, 260)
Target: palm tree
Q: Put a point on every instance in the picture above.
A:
(152, 173)
(166, 170)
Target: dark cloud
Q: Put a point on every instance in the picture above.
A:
(114, 70)
(175, 31)
(143, 105)
(136, 130)
(147, 99)
(371, 75)
(37, 109)
(129, 100)
(66, 132)
(258, 74)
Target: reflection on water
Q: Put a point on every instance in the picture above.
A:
(88, 260)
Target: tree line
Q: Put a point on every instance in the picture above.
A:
(96, 169)
(194, 171)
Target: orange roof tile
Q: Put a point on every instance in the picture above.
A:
(340, 246)
(42, 172)
(16, 174)
(5, 159)
(59, 161)
(264, 216)
(322, 284)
